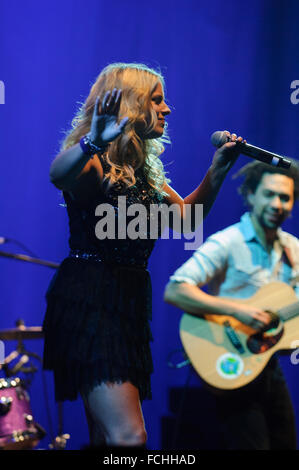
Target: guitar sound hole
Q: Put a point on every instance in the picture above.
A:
(262, 341)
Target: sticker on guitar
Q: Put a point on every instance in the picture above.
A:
(229, 365)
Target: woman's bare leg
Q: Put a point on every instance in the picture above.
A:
(96, 435)
(115, 411)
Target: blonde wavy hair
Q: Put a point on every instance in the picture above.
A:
(128, 151)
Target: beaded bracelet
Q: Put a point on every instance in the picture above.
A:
(89, 148)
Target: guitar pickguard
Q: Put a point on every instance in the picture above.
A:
(262, 342)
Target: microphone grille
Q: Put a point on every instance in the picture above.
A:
(219, 138)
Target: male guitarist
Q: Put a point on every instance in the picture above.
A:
(235, 263)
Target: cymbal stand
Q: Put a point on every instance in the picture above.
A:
(60, 441)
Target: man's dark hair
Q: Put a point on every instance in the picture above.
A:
(253, 173)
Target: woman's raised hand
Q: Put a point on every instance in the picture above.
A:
(104, 127)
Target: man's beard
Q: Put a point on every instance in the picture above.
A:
(269, 222)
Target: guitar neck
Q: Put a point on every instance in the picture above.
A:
(291, 311)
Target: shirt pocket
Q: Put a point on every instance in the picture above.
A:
(250, 274)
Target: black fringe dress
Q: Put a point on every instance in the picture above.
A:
(96, 326)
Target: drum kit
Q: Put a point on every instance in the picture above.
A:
(18, 428)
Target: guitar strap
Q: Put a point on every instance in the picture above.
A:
(286, 252)
(295, 279)
(278, 248)
(289, 256)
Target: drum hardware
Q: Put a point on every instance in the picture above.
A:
(18, 430)
(28, 419)
(5, 405)
(19, 333)
(28, 438)
(59, 442)
(9, 383)
(23, 440)
(29, 259)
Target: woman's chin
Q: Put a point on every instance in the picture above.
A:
(155, 134)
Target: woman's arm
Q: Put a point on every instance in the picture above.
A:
(69, 165)
(72, 165)
(207, 191)
(77, 173)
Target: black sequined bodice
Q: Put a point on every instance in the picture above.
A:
(84, 239)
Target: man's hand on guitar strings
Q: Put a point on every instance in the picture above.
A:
(253, 317)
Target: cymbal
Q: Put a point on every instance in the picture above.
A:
(24, 332)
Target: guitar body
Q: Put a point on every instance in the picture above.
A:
(223, 365)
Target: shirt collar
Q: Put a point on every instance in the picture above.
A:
(247, 228)
(249, 232)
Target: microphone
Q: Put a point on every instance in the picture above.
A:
(219, 138)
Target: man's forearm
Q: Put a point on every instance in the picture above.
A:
(191, 299)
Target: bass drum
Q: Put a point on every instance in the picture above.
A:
(18, 429)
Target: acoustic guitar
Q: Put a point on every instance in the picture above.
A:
(228, 354)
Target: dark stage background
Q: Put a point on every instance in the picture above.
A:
(227, 65)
